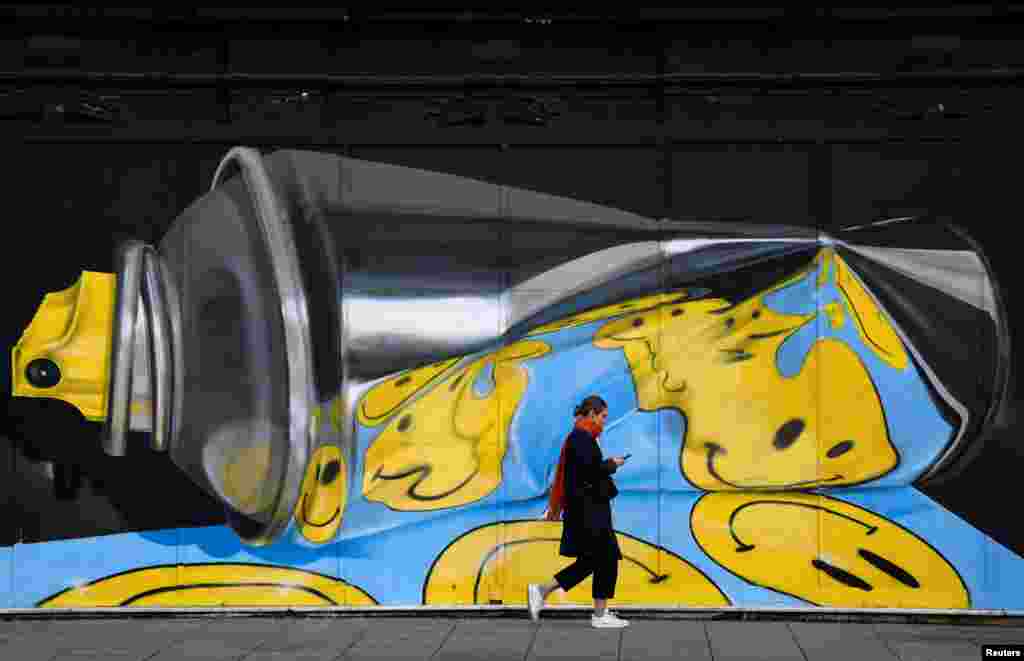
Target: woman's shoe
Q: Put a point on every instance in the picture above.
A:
(608, 621)
(535, 599)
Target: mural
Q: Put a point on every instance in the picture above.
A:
(213, 584)
(392, 435)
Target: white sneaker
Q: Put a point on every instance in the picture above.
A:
(608, 621)
(535, 599)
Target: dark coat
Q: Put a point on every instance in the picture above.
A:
(587, 519)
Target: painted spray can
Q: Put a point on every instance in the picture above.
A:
(322, 342)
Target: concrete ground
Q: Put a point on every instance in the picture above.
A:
(489, 639)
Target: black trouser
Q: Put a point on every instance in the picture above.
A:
(604, 567)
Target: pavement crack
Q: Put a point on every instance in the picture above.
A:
(355, 641)
(533, 640)
(874, 632)
(249, 653)
(707, 637)
(797, 641)
(444, 640)
(166, 647)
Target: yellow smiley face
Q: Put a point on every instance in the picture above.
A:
(824, 551)
(324, 495)
(210, 585)
(445, 449)
(747, 425)
(495, 563)
(388, 396)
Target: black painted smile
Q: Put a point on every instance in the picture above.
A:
(422, 472)
(715, 448)
(310, 522)
(838, 574)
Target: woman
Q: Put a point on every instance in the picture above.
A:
(583, 489)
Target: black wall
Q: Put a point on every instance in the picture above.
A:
(113, 121)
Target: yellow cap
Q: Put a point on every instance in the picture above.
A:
(71, 331)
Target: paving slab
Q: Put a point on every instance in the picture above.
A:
(29, 649)
(491, 639)
(494, 640)
(92, 655)
(756, 641)
(11, 626)
(938, 651)
(833, 641)
(657, 640)
(103, 638)
(313, 636)
(221, 639)
(980, 635)
(320, 655)
(400, 639)
(575, 639)
(976, 634)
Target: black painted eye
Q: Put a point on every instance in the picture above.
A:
(401, 382)
(756, 314)
(841, 575)
(730, 322)
(638, 322)
(676, 312)
(42, 373)
(736, 356)
(890, 568)
(330, 473)
(839, 449)
(788, 433)
(405, 423)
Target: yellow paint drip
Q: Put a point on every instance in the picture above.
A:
(872, 324)
(836, 318)
(388, 396)
(608, 311)
(446, 448)
(748, 426)
(823, 259)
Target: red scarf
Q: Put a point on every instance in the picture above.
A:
(557, 500)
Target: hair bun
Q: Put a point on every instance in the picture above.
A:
(590, 404)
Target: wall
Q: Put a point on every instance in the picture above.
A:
(100, 531)
(819, 157)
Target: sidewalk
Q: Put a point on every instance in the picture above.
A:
(490, 639)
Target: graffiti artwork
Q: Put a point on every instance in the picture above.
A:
(379, 414)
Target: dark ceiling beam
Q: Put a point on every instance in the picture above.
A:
(614, 135)
(632, 15)
(720, 23)
(673, 81)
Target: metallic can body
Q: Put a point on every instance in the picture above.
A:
(357, 343)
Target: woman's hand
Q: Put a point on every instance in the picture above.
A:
(619, 460)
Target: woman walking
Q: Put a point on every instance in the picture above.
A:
(583, 489)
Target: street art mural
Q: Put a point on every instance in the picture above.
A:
(371, 369)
